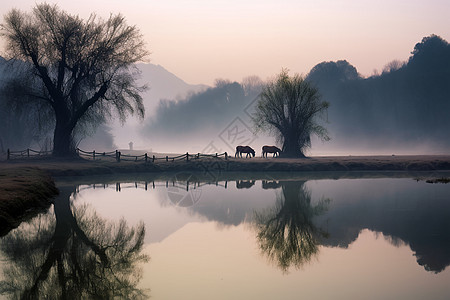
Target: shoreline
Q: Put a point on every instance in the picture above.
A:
(28, 187)
(24, 193)
(82, 167)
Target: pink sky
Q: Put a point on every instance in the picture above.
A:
(201, 40)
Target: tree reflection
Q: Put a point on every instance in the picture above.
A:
(74, 254)
(286, 232)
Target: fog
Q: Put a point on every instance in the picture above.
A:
(403, 109)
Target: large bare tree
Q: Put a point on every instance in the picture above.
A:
(84, 69)
(290, 108)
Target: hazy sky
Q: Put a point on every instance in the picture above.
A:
(201, 40)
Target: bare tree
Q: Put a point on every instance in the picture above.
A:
(393, 66)
(252, 84)
(83, 69)
(289, 107)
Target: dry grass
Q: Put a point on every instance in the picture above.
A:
(24, 191)
(81, 167)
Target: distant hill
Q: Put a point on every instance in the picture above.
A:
(162, 85)
(407, 107)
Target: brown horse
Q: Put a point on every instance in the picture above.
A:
(244, 149)
(270, 149)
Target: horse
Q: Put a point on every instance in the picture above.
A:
(270, 149)
(244, 149)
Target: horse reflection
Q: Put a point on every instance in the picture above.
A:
(245, 184)
(270, 184)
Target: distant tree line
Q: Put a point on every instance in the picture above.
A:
(210, 109)
(409, 102)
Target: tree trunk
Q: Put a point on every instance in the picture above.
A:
(291, 149)
(62, 138)
(62, 143)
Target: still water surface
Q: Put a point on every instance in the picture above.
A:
(379, 238)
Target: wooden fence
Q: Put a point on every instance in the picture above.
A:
(118, 156)
(27, 153)
(115, 155)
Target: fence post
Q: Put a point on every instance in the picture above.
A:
(8, 154)
(93, 154)
(187, 156)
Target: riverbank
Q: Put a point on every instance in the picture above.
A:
(24, 192)
(82, 167)
(27, 186)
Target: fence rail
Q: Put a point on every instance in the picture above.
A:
(27, 153)
(116, 155)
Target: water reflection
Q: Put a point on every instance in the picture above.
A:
(286, 232)
(217, 228)
(245, 184)
(73, 254)
(270, 184)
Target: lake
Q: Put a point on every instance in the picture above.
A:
(258, 236)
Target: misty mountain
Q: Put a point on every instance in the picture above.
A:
(162, 85)
(18, 128)
(404, 109)
(406, 106)
(201, 117)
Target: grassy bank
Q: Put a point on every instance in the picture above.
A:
(81, 167)
(24, 192)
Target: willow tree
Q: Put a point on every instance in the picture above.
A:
(291, 109)
(83, 69)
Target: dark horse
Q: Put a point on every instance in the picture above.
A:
(270, 149)
(244, 149)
